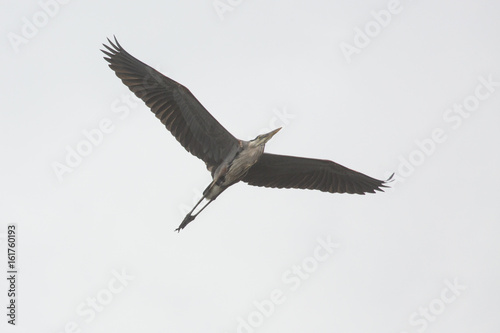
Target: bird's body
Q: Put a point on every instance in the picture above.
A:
(228, 159)
(233, 168)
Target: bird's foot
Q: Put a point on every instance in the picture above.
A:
(185, 222)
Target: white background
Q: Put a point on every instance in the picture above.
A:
(116, 211)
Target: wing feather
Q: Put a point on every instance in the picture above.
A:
(174, 105)
(280, 171)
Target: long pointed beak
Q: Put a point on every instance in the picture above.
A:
(271, 134)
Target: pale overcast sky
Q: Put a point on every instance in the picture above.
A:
(96, 185)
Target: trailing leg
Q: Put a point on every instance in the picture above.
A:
(189, 217)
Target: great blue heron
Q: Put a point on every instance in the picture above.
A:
(228, 159)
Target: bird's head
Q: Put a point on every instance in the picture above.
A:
(263, 138)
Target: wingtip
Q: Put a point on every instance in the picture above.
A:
(385, 183)
(112, 48)
(391, 178)
(114, 44)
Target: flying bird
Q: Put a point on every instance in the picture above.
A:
(228, 159)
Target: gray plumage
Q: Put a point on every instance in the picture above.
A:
(228, 159)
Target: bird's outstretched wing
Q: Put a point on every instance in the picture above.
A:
(281, 171)
(176, 107)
